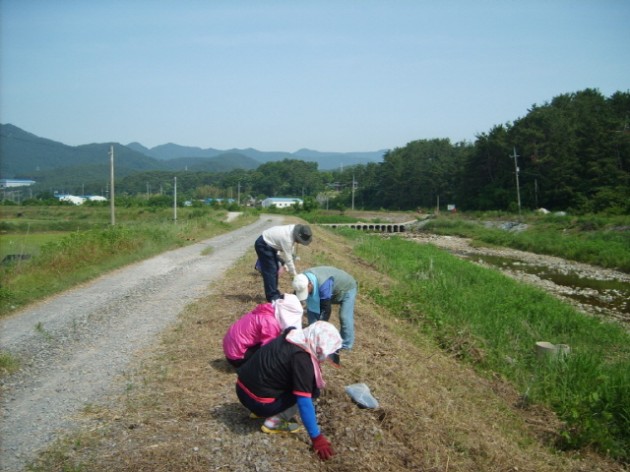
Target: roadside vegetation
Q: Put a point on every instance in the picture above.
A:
(493, 322)
(51, 249)
(8, 364)
(593, 239)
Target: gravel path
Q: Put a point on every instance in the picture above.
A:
(74, 346)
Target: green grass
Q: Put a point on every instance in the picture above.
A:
(601, 241)
(8, 364)
(336, 217)
(37, 219)
(493, 322)
(26, 244)
(321, 217)
(63, 260)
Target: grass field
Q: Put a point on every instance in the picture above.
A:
(26, 244)
(494, 322)
(69, 245)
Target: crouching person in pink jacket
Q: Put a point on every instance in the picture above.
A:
(259, 326)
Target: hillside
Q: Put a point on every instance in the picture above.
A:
(26, 155)
(221, 163)
(179, 411)
(325, 160)
(56, 165)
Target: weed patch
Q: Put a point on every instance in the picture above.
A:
(493, 322)
(8, 364)
(63, 260)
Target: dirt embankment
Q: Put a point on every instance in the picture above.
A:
(175, 409)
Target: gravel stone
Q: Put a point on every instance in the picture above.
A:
(73, 347)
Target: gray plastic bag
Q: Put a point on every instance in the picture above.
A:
(360, 393)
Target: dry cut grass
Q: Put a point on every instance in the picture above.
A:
(177, 410)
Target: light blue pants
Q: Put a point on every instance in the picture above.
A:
(346, 318)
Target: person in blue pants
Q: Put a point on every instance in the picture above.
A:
(321, 287)
(277, 239)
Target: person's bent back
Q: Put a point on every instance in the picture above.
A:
(260, 326)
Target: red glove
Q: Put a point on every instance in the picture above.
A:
(322, 447)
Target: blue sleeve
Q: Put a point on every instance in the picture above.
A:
(307, 413)
(326, 289)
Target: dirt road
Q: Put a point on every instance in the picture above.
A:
(74, 345)
(77, 348)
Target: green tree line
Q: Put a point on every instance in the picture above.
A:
(572, 153)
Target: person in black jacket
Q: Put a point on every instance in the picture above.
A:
(284, 376)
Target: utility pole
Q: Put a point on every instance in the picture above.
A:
(112, 207)
(175, 201)
(353, 184)
(239, 193)
(518, 191)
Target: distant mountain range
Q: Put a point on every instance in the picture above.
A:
(25, 155)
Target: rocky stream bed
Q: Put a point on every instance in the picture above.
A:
(593, 290)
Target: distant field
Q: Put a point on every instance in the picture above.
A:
(69, 245)
(25, 229)
(26, 244)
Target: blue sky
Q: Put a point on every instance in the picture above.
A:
(344, 75)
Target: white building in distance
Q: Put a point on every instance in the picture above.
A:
(8, 183)
(281, 202)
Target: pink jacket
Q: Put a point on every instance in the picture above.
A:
(259, 326)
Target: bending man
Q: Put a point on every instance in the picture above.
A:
(279, 238)
(321, 287)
